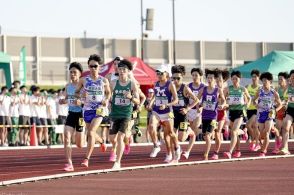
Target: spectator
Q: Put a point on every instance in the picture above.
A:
(14, 114)
(24, 116)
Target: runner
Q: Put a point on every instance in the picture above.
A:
(266, 96)
(222, 77)
(124, 93)
(165, 98)
(194, 115)
(282, 91)
(97, 94)
(74, 120)
(14, 115)
(181, 109)
(251, 124)
(210, 95)
(237, 98)
(288, 120)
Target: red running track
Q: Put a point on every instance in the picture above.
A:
(17, 164)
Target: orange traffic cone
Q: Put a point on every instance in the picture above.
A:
(33, 136)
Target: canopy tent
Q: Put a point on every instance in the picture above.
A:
(143, 73)
(5, 64)
(274, 62)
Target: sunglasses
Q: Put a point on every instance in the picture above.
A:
(93, 66)
(176, 78)
(159, 73)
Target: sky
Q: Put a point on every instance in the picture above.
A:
(210, 20)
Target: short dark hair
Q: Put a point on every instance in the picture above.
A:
(126, 63)
(16, 81)
(76, 65)
(200, 72)
(291, 72)
(225, 74)
(256, 72)
(35, 88)
(21, 87)
(178, 69)
(96, 58)
(283, 74)
(213, 72)
(237, 73)
(11, 88)
(266, 75)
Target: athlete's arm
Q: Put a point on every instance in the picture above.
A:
(64, 100)
(188, 93)
(255, 98)
(278, 101)
(222, 99)
(107, 92)
(173, 91)
(135, 97)
(79, 87)
(247, 96)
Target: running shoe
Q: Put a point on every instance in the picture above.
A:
(237, 154)
(103, 147)
(168, 158)
(214, 157)
(85, 163)
(186, 155)
(154, 152)
(68, 167)
(178, 153)
(112, 157)
(228, 155)
(262, 154)
(257, 147)
(251, 146)
(127, 149)
(116, 165)
(279, 143)
(276, 151)
(284, 151)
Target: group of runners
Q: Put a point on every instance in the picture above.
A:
(181, 110)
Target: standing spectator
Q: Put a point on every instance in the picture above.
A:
(52, 115)
(62, 111)
(14, 114)
(24, 116)
(35, 101)
(43, 116)
(4, 114)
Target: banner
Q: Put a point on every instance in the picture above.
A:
(23, 66)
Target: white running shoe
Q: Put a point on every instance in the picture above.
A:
(168, 158)
(178, 153)
(154, 152)
(186, 155)
(116, 165)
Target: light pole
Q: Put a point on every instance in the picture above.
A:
(174, 32)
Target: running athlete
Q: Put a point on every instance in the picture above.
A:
(74, 120)
(194, 115)
(251, 125)
(266, 97)
(288, 120)
(165, 97)
(210, 95)
(222, 77)
(282, 91)
(181, 109)
(237, 98)
(97, 95)
(124, 93)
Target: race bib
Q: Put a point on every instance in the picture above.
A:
(180, 103)
(183, 125)
(161, 102)
(100, 112)
(213, 123)
(291, 98)
(265, 103)
(81, 122)
(171, 115)
(122, 101)
(209, 105)
(235, 100)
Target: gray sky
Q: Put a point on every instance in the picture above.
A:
(213, 20)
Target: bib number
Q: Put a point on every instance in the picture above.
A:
(100, 112)
(81, 122)
(183, 125)
(121, 101)
(161, 102)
